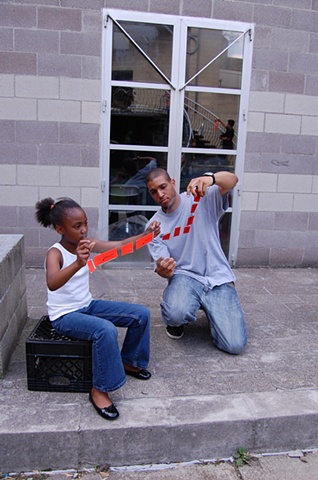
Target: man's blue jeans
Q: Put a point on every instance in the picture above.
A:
(184, 295)
(98, 323)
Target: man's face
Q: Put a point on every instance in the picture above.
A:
(163, 192)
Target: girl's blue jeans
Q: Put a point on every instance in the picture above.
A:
(184, 295)
(98, 323)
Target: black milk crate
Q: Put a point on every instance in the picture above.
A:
(57, 363)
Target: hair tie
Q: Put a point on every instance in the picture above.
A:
(52, 206)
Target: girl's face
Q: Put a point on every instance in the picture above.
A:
(74, 227)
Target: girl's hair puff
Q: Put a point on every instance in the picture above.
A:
(50, 213)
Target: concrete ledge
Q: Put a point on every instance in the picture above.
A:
(153, 430)
(13, 300)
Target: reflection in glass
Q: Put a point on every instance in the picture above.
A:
(124, 224)
(128, 171)
(195, 164)
(154, 40)
(140, 116)
(225, 231)
(207, 117)
(205, 45)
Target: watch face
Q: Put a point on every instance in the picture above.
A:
(208, 174)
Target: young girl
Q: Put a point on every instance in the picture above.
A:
(74, 313)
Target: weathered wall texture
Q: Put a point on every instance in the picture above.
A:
(50, 67)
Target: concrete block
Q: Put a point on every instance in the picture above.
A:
(268, 238)
(38, 175)
(7, 85)
(18, 196)
(37, 132)
(92, 19)
(286, 82)
(285, 124)
(79, 134)
(6, 39)
(36, 87)
(306, 203)
(89, 156)
(272, 16)
(301, 104)
(304, 20)
(315, 184)
(252, 256)
(294, 183)
(260, 182)
(8, 174)
(36, 41)
(260, 81)
(17, 108)
(18, 63)
(311, 86)
(270, 60)
(81, 44)
(17, 16)
(289, 40)
(59, 154)
(79, 176)
(91, 67)
(313, 221)
(59, 65)
(256, 122)
(265, 143)
(14, 153)
(276, 202)
(51, 18)
(267, 102)
(290, 257)
(7, 131)
(299, 144)
(9, 216)
(91, 112)
(302, 63)
(310, 256)
(90, 197)
(80, 89)
(232, 11)
(56, 192)
(309, 125)
(249, 201)
(284, 220)
(257, 220)
(202, 9)
(313, 43)
(59, 111)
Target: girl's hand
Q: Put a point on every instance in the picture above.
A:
(154, 227)
(83, 251)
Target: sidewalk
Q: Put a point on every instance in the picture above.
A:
(200, 403)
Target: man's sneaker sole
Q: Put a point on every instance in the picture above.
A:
(175, 332)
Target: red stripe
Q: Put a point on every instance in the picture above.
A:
(186, 229)
(128, 248)
(176, 231)
(144, 240)
(166, 236)
(106, 257)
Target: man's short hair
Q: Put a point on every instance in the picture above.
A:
(157, 172)
(231, 123)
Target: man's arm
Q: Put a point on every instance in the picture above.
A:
(224, 180)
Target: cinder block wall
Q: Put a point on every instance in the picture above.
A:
(50, 68)
(13, 301)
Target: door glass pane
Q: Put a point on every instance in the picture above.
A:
(154, 40)
(139, 116)
(203, 46)
(124, 224)
(128, 171)
(195, 164)
(207, 116)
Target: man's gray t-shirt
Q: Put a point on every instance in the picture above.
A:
(198, 253)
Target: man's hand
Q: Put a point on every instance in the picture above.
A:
(165, 267)
(198, 186)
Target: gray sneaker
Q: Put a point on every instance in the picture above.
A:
(175, 332)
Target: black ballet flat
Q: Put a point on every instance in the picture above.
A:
(142, 374)
(109, 413)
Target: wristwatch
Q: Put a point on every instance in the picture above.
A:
(210, 174)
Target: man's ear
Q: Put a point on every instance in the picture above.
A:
(173, 182)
